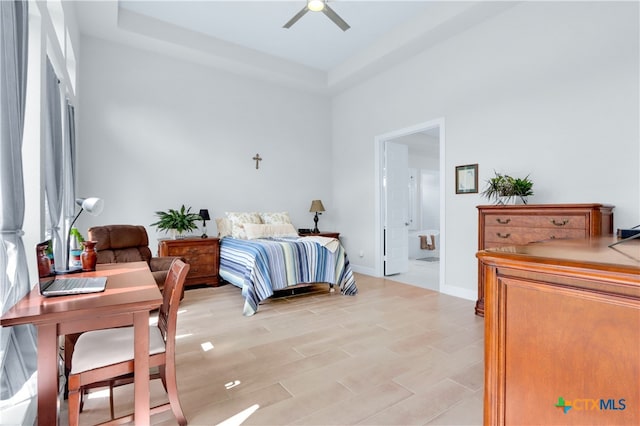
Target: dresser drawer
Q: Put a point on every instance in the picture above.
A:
(557, 221)
(505, 226)
(201, 269)
(191, 250)
(201, 259)
(496, 236)
(202, 255)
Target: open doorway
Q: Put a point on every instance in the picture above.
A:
(424, 220)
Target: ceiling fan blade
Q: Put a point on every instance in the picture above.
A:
(335, 18)
(296, 17)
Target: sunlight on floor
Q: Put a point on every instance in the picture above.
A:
(239, 418)
(232, 385)
(206, 346)
(104, 393)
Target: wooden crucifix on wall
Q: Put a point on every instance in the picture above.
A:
(257, 158)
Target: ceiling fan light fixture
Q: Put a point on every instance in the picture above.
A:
(315, 5)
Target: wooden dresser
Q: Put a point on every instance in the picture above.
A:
(203, 254)
(562, 333)
(500, 226)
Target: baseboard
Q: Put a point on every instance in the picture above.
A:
(463, 293)
(363, 270)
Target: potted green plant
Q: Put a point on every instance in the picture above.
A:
(177, 221)
(504, 189)
(76, 246)
(522, 188)
(77, 235)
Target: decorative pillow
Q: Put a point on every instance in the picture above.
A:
(275, 217)
(238, 219)
(224, 227)
(254, 230)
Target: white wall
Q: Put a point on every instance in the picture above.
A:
(548, 89)
(155, 133)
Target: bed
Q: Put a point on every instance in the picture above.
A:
(260, 266)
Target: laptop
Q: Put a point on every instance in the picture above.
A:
(52, 285)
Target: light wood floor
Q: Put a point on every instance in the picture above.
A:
(394, 354)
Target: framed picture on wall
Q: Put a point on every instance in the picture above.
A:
(467, 179)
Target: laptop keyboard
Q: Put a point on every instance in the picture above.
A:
(64, 285)
(73, 284)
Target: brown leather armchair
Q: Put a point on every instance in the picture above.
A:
(129, 243)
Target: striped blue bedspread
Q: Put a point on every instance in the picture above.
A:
(261, 266)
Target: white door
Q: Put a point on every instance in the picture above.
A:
(396, 208)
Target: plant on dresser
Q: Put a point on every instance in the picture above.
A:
(505, 189)
(179, 221)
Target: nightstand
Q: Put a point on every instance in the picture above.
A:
(335, 235)
(202, 254)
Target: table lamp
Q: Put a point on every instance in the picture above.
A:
(94, 207)
(317, 208)
(204, 214)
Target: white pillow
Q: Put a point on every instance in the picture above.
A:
(275, 217)
(254, 230)
(238, 219)
(224, 227)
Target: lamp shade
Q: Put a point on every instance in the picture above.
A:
(91, 205)
(204, 214)
(316, 206)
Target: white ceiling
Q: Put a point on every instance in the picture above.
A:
(247, 36)
(314, 41)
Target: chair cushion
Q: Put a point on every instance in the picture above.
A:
(121, 243)
(128, 243)
(119, 236)
(100, 348)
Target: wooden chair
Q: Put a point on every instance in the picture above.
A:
(105, 357)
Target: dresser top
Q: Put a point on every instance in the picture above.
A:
(545, 206)
(591, 252)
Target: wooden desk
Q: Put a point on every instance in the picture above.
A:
(130, 294)
(562, 320)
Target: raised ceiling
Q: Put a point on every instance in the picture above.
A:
(247, 36)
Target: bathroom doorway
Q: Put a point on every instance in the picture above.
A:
(425, 218)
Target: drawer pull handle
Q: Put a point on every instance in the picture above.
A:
(503, 236)
(563, 223)
(502, 222)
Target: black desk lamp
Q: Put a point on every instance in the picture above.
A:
(204, 214)
(317, 208)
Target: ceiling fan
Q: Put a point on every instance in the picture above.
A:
(319, 6)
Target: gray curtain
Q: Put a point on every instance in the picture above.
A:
(53, 162)
(70, 158)
(18, 349)
(69, 168)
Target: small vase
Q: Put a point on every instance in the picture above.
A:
(44, 264)
(89, 256)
